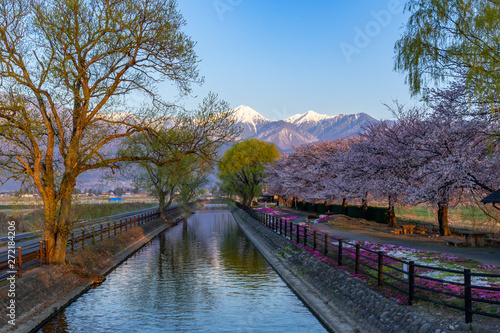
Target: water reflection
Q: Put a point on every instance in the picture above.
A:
(202, 275)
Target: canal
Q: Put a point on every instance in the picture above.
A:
(201, 275)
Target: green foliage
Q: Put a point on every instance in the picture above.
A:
(377, 214)
(334, 209)
(179, 156)
(241, 169)
(452, 38)
(320, 208)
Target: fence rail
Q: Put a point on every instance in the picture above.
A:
(17, 260)
(412, 280)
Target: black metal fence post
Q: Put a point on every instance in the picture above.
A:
(380, 268)
(339, 254)
(356, 266)
(468, 296)
(326, 244)
(314, 242)
(411, 282)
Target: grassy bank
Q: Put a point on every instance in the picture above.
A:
(460, 217)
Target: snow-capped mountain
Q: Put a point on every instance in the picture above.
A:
(310, 117)
(299, 129)
(341, 126)
(249, 120)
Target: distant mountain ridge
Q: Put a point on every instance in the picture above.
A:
(299, 129)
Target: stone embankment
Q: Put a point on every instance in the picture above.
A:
(343, 303)
(43, 292)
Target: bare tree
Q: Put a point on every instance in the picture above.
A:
(65, 69)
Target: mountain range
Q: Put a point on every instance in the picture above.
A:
(291, 132)
(299, 129)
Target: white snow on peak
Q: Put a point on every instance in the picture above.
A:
(308, 117)
(246, 114)
(250, 118)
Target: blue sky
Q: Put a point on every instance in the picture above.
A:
(286, 57)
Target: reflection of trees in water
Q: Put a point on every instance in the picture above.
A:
(219, 233)
(189, 259)
(185, 278)
(240, 256)
(58, 324)
(190, 252)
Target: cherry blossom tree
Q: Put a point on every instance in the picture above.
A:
(378, 164)
(434, 153)
(450, 141)
(310, 172)
(429, 154)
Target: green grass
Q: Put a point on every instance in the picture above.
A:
(463, 216)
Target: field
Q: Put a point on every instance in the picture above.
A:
(460, 217)
(29, 215)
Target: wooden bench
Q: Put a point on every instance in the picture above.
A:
(454, 242)
(427, 227)
(396, 231)
(420, 231)
(492, 241)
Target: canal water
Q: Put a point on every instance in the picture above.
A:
(201, 275)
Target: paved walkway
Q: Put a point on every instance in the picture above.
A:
(486, 255)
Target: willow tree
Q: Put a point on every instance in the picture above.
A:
(178, 156)
(242, 168)
(446, 39)
(191, 183)
(66, 66)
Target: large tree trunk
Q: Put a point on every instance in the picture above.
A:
(444, 229)
(364, 206)
(393, 223)
(57, 224)
(344, 206)
(161, 205)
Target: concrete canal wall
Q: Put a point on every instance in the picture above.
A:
(343, 303)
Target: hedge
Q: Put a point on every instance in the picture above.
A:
(377, 214)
